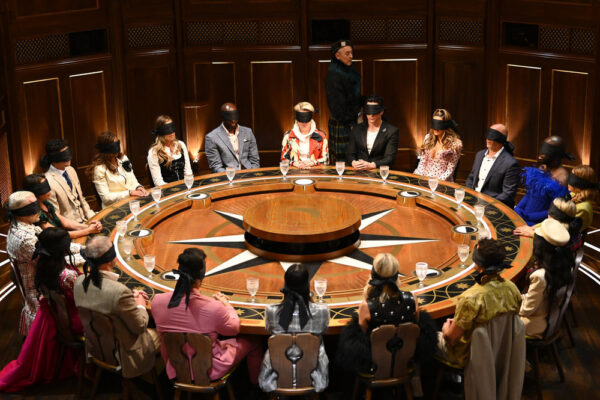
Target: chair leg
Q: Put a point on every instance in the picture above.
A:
(569, 333)
(59, 361)
(80, 374)
(536, 373)
(368, 394)
(126, 389)
(177, 394)
(438, 382)
(561, 373)
(408, 390)
(230, 392)
(96, 381)
(356, 387)
(572, 312)
(216, 396)
(156, 383)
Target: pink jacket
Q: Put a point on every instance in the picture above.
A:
(204, 315)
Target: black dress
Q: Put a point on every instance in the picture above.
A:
(174, 172)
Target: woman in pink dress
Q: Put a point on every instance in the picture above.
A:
(37, 360)
(441, 149)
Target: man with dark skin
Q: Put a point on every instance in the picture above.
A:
(230, 144)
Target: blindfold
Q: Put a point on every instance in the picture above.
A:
(109, 148)
(165, 129)
(499, 137)
(439, 125)
(372, 109)
(580, 183)
(555, 152)
(40, 189)
(558, 215)
(304, 116)
(233, 115)
(29, 209)
(108, 256)
(62, 156)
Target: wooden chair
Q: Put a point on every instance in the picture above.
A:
(100, 335)
(15, 276)
(570, 292)
(192, 374)
(294, 357)
(392, 350)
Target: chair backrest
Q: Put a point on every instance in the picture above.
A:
(60, 312)
(392, 349)
(100, 338)
(558, 307)
(194, 369)
(294, 357)
(15, 276)
(578, 260)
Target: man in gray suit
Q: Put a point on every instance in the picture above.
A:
(231, 145)
(99, 290)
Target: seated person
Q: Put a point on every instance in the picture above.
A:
(296, 314)
(490, 296)
(545, 182)
(66, 195)
(23, 212)
(99, 290)
(37, 360)
(38, 185)
(441, 150)
(304, 145)
(375, 142)
(112, 172)
(212, 316)
(584, 187)
(168, 158)
(230, 144)
(553, 265)
(495, 171)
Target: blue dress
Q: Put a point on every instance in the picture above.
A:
(541, 191)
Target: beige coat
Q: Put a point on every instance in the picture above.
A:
(535, 305)
(70, 203)
(138, 344)
(114, 187)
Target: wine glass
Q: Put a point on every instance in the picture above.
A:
(479, 211)
(134, 206)
(320, 288)
(459, 195)
(188, 179)
(149, 261)
(421, 271)
(230, 172)
(463, 253)
(284, 167)
(252, 286)
(127, 245)
(384, 171)
(122, 227)
(433, 184)
(339, 167)
(156, 193)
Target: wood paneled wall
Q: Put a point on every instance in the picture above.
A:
(185, 58)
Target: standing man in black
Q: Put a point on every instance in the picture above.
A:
(342, 86)
(495, 171)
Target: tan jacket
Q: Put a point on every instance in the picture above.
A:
(138, 344)
(70, 203)
(114, 187)
(535, 305)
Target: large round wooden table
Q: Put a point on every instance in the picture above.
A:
(261, 224)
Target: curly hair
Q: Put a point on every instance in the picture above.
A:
(450, 139)
(592, 194)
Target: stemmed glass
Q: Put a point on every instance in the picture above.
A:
(156, 193)
(122, 227)
(459, 195)
(230, 172)
(384, 171)
(479, 211)
(252, 286)
(134, 206)
(339, 167)
(433, 184)
(320, 288)
(188, 179)
(421, 271)
(149, 261)
(284, 167)
(463, 251)
(127, 244)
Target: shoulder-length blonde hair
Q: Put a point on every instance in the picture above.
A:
(385, 265)
(159, 144)
(585, 172)
(450, 139)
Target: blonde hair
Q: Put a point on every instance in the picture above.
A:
(304, 106)
(450, 139)
(566, 206)
(20, 199)
(159, 145)
(585, 172)
(385, 265)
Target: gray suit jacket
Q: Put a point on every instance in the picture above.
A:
(70, 203)
(503, 179)
(220, 154)
(138, 344)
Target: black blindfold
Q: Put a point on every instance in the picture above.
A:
(165, 129)
(580, 183)
(372, 109)
(40, 189)
(233, 115)
(555, 152)
(110, 148)
(304, 116)
(29, 209)
(439, 125)
(62, 156)
(108, 256)
(499, 137)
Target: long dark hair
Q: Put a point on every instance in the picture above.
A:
(295, 291)
(557, 262)
(192, 267)
(51, 250)
(108, 160)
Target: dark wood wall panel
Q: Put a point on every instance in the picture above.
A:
(40, 7)
(214, 83)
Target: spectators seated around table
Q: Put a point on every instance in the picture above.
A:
(304, 145)
(374, 142)
(584, 187)
(99, 290)
(66, 195)
(553, 265)
(37, 361)
(490, 296)
(441, 150)
(112, 172)
(495, 171)
(230, 144)
(188, 310)
(23, 212)
(295, 314)
(544, 182)
(168, 158)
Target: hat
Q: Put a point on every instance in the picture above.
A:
(339, 44)
(553, 232)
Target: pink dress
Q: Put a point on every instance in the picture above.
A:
(440, 166)
(37, 360)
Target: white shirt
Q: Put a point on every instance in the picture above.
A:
(371, 136)
(304, 141)
(486, 166)
(58, 171)
(154, 165)
(233, 138)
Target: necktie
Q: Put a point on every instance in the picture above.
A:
(66, 176)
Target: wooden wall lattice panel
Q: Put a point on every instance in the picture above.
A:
(387, 30)
(150, 36)
(453, 30)
(269, 32)
(5, 182)
(583, 41)
(554, 38)
(51, 47)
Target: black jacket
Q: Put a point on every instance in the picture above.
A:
(342, 86)
(503, 179)
(384, 149)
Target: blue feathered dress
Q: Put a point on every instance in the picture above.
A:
(541, 191)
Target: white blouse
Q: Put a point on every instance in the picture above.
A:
(113, 187)
(154, 165)
(371, 136)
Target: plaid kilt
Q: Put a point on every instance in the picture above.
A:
(339, 137)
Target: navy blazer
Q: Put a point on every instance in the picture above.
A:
(220, 154)
(384, 148)
(503, 179)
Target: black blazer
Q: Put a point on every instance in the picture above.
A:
(384, 149)
(503, 179)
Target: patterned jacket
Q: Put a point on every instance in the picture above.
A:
(318, 150)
